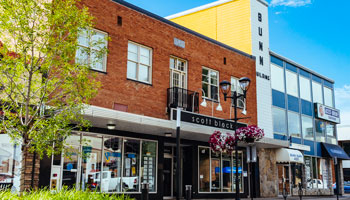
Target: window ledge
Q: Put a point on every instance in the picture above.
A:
(129, 79)
(99, 71)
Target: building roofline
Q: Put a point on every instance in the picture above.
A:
(173, 24)
(300, 66)
(204, 7)
(199, 8)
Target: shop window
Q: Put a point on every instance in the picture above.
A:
(317, 92)
(346, 147)
(90, 45)
(279, 121)
(210, 83)
(204, 169)
(139, 62)
(226, 173)
(296, 170)
(317, 173)
(293, 124)
(308, 171)
(292, 83)
(320, 130)
(130, 182)
(112, 164)
(305, 88)
(328, 96)
(330, 130)
(215, 172)
(307, 127)
(277, 78)
(148, 164)
(91, 164)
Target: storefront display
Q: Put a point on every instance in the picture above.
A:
(217, 171)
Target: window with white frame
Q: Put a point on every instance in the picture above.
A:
(178, 72)
(91, 44)
(277, 78)
(236, 88)
(139, 63)
(328, 96)
(210, 83)
(292, 83)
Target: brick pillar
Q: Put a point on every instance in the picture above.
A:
(27, 170)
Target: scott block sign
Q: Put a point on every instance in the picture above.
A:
(327, 113)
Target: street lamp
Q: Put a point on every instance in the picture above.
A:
(225, 88)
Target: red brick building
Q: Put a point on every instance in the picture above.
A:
(133, 137)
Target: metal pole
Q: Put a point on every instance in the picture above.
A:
(236, 143)
(337, 177)
(251, 172)
(178, 166)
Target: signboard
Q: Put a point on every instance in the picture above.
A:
(204, 120)
(327, 113)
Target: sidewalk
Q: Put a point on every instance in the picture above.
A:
(345, 197)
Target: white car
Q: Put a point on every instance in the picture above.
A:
(316, 183)
(111, 183)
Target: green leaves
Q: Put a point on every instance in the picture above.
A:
(43, 90)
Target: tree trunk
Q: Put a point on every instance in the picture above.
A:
(29, 177)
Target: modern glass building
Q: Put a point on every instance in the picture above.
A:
(300, 99)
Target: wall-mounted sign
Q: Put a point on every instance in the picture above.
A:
(179, 43)
(327, 113)
(204, 120)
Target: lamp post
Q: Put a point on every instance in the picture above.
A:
(225, 88)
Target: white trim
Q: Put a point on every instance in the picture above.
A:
(196, 9)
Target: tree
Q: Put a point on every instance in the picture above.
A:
(42, 89)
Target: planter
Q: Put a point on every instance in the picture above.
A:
(249, 140)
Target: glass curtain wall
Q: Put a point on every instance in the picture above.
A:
(217, 171)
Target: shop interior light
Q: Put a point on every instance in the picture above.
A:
(111, 126)
(168, 134)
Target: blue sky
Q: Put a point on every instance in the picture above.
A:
(313, 33)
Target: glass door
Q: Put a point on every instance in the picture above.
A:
(283, 179)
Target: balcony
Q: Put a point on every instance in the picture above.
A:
(185, 99)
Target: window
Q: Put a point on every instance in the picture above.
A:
(90, 46)
(139, 63)
(217, 171)
(178, 73)
(305, 90)
(317, 92)
(148, 169)
(236, 88)
(112, 164)
(277, 78)
(292, 83)
(330, 131)
(210, 83)
(307, 128)
(320, 130)
(293, 124)
(279, 121)
(328, 96)
(131, 166)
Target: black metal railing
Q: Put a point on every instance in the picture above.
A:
(183, 98)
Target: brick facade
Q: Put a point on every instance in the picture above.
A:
(151, 100)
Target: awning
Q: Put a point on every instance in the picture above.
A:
(334, 151)
(284, 155)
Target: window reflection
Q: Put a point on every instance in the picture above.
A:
(215, 172)
(112, 165)
(130, 181)
(148, 169)
(204, 168)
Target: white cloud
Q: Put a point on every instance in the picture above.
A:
(278, 12)
(290, 3)
(342, 99)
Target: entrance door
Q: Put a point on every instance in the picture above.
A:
(168, 175)
(283, 179)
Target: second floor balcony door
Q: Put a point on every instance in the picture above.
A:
(178, 73)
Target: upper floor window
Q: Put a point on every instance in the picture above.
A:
(293, 124)
(91, 43)
(292, 83)
(328, 96)
(305, 89)
(139, 63)
(277, 78)
(279, 121)
(178, 72)
(210, 83)
(307, 127)
(317, 92)
(236, 88)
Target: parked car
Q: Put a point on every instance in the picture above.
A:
(111, 183)
(315, 183)
(346, 187)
